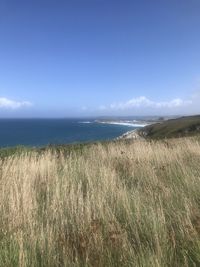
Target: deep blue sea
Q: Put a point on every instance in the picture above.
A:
(40, 132)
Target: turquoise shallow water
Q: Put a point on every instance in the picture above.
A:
(39, 132)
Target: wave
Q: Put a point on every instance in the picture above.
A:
(130, 124)
(86, 122)
(133, 123)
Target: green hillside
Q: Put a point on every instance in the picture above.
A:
(179, 127)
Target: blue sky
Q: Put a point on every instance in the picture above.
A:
(99, 57)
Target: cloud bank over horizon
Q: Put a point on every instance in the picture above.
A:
(137, 106)
(6, 103)
(143, 102)
(144, 105)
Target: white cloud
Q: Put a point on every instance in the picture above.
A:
(144, 102)
(12, 104)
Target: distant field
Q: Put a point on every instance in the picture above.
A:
(184, 126)
(112, 204)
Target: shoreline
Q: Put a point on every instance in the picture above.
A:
(134, 134)
(126, 123)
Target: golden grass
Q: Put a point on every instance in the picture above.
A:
(118, 204)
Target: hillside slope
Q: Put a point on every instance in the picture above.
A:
(184, 126)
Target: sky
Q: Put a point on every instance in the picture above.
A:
(99, 57)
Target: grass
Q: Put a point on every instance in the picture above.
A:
(180, 127)
(113, 204)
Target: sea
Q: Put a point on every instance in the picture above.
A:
(42, 132)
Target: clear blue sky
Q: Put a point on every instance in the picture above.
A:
(99, 57)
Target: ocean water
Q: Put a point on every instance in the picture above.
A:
(40, 132)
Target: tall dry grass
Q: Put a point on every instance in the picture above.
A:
(118, 204)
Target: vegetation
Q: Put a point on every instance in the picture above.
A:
(184, 126)
(112, 204)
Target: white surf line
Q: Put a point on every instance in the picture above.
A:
(126, 124)
(85, 122)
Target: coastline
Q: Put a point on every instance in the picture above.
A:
(134, 134)
(126, 123)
